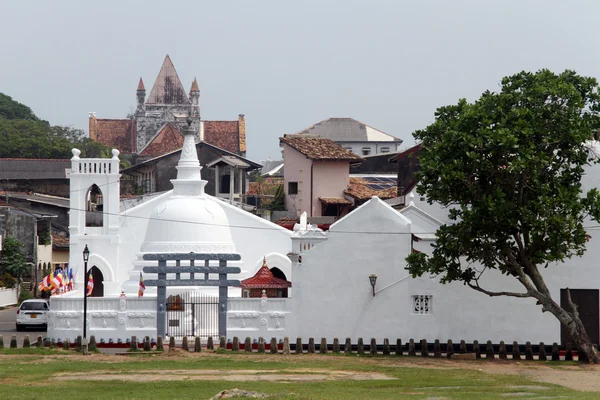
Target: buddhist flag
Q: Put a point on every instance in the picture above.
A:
(71, 279)
(90, 284)
(57, 282)
(142, 286)
(45, 283)
(66, 281)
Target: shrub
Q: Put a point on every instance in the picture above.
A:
(24, 295)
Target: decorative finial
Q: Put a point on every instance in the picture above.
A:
(411, 198)
(264, 261)
(115, 154)
(76, 153)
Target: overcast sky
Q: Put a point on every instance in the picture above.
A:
(286, 64)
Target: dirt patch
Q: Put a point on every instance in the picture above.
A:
(306, 375)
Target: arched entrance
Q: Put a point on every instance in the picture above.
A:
(98, 290)
(277, 273)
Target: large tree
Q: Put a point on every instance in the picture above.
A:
(509, 169)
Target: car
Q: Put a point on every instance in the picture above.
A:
(33, 313)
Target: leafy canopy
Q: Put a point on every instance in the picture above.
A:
(13, 258)
(508, 167)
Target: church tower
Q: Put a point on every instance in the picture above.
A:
(141, 99)
(195, 98)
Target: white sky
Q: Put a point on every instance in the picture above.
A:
(286, 65)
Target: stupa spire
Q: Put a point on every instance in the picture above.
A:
(189, 181)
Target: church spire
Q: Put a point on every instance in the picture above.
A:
(195, 98)
(141, 85)
(167, 88)
(141, 98)
(195, 87)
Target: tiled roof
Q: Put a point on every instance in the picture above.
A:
(167, 88)
(223, 134)
(60, 241)
(115, 133)
(167, 140)
(335, 200)
(319, 149)
(358, 189)
(264, 279)
(268, 186)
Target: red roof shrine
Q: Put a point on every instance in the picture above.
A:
(264, 279)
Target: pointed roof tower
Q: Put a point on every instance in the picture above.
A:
(195, 87)
(141, 85)
(167, 88)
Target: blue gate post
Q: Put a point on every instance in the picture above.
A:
(161, 301)
(222, 300)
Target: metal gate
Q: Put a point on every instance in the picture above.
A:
(192, 314)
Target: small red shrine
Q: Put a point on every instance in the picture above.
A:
(265, 280)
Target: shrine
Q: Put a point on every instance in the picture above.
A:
(265, 284)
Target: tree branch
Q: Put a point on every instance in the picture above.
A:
(494, 294)
(573, 306)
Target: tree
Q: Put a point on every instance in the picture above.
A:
(13, 258)
(509, 167)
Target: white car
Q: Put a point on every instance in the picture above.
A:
(33, 313)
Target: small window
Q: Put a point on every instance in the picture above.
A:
(246, 294)
(366, 151)
(422, 304)
(385, 149)
(292, 187)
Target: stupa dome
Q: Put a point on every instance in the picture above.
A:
(184, 224)
(188, 221)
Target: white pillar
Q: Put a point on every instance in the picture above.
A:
(231, 180)
(240, 183)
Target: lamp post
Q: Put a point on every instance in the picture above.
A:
(86, 257)
(373, 280)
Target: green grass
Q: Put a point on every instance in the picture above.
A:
(30, 374)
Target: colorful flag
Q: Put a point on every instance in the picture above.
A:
(66, 281)
(71, 279)
(57, 282)
(45, 283)
(142, 286)
(90, 284)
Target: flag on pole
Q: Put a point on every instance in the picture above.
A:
(66, 281)
(57, 282)
(71, 279)
(142, 286)
(45, 283)
(90, 284)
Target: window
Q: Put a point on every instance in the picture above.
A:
(292, 187)
(348, 148)
(385, 149)
(422, 304)
(366, 151)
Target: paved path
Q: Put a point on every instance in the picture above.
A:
(8, 318)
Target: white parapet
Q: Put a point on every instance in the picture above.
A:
(8, 297)
(107, 318)
(263, 317)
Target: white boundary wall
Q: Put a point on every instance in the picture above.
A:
(8, 297)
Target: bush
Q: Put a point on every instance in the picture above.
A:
(6, 280)
(24, 295)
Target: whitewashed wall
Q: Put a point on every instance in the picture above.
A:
(8, 297)
(256, 318)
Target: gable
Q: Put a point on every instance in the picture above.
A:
(421, 221)
(115, 133)
(223, 134)
(375, 216)
(168, 139)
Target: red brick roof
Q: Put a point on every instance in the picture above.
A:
(167, 140)
(115, 133)
(358, 189)
(60, 241)
(264, 279)
(223, 134)
(319, 149)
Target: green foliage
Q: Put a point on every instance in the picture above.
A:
(278, 203)
(24, 295)
(13, 258)
(509, 166)
(10, 109)
(7, 281)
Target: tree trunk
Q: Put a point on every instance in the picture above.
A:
(587, 352)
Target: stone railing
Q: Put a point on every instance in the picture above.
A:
(107, 318)
(257, 317)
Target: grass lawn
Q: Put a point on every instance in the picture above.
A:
(56, 374)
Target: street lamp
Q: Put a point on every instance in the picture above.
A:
(373, 280)
(86, 257)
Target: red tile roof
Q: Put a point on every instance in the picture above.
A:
(335, 200)
(60, 241)
(319, 149)
(115, 133)
(167, 140)
(264, 279)
(358, 189)
(223, 134)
